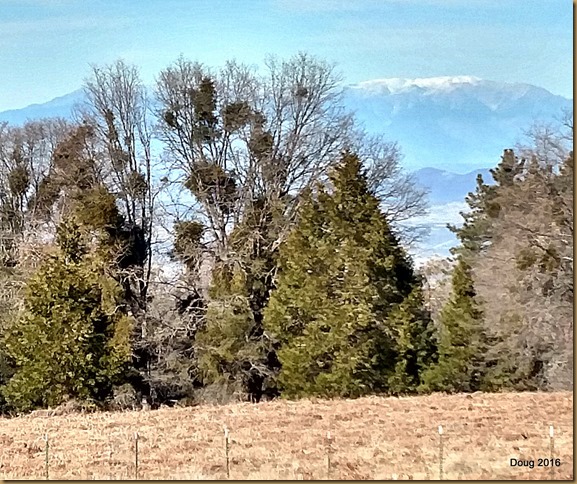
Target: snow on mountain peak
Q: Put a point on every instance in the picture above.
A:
(397, 84)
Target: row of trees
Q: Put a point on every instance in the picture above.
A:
(282, 221)
(224, 159)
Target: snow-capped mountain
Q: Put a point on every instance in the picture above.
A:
(493, 94)
(454, 123)
(394, 85)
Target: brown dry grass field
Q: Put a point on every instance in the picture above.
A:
(374, 438)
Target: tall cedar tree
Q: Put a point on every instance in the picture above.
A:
(462, 339)
(476, 232)
(73, 339)
(347, 312)
(75, 187)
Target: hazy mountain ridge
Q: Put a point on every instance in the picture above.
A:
(445, 186)
(455, 123)
(60, 106)
(446, 195)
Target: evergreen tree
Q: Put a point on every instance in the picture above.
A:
(230, 350)
(347, 300)
(73, 338)
(461, 343)
(476, 232)
(415, 348)
(461, 335)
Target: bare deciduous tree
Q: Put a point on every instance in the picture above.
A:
(26, 155)
(238, 137)
(525, 277)
(117, 106)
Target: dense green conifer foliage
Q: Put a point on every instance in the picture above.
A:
(346, 313)
(461, 345)
(72, 339)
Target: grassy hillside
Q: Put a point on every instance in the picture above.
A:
(374, 438)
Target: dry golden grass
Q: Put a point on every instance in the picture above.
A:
(374, 438)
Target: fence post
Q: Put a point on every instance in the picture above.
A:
(552, 449)
(46, 446)
(226, 452)
(136, 454)
(329, 450)
(110, 464)
(440, 452)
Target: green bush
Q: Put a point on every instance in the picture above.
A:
(72, 340)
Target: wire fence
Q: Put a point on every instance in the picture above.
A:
(128, 466)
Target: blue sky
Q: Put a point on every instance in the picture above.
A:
(46, 46)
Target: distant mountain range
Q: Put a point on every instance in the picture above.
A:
(447, 187)
(454, 123)
(58, 107)
(446, 194)
(449, 130)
